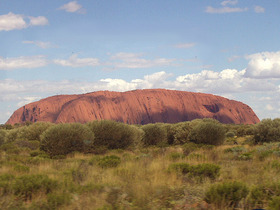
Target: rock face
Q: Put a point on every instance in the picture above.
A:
(135, 107)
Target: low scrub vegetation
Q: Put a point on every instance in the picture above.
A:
(111, 165)
(227, 194)
(204, 170)
(62, 139)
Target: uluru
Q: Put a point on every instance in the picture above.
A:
(135, 107)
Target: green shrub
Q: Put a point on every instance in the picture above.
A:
(114, 135)
(170, 130)
(245, 130)
(62, 139)
(11, 135)
(245, 156)
(37, 153)
(79, 173)
(236, 150)
(10, 148)
(109, 161)
(33, 131)
(58, 157)
(6, 126)
(260, 195)
(190, 147)
(21, 168)
(2, 136)
(230, 134)
(181, 168)
(267, 131)
(227, 194)
(154, 134)
(267, 149)
(212, 133)
(55, 200)
(230, 141)
(275, 165)
(204, 170)
(181, 132)
(28, 185)
(28, 144)
(264, 154)
(176, 156)
(99, 150)
(167, 197)
(274, 204)
(5, 183)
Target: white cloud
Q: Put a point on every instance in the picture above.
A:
(22, 62)
(73, 6)
(226, 81)
(222, 10)
(74, 61)
(126, 56)
(269, 107)
(13, 21)
(184, 45)
(134, 61)
(259, 9)
(231, 2)
(264, 65)
(38, 21)
(209, 81)
(118, 84)
(27, 100)
(44, 45)
(12, 90)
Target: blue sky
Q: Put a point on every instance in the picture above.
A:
(229, 48)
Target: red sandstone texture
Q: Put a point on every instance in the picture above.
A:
(135, 107)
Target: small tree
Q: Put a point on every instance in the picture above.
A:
(208, 132)
(244, 130)
(32, 132)
(114, 135)
(154, 134)
(62, 139)
(267, 131)
(182, 131)
(11, 135)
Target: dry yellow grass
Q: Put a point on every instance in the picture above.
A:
(142, 180)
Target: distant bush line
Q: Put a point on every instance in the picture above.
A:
(98, 136)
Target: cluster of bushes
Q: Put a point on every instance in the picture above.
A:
(26, 186)
(98, 136)
(267, 131)
(232, 194)
(227, 194)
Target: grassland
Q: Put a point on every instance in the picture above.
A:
(140, 179)
(106, 165)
